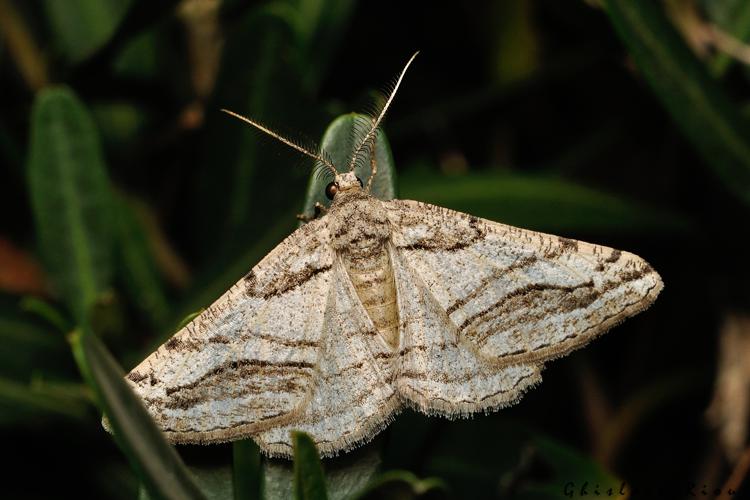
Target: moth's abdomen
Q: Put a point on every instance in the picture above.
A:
(372, 276)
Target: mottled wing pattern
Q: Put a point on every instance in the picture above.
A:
(518, 296)
(437, 374)
(353, 397)
(248, 361)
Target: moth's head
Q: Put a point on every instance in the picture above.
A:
(343, 183)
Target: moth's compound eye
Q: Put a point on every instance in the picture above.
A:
(331, 189)
(360, 182)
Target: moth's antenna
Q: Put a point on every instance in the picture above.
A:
(317, 156)
(376, 122)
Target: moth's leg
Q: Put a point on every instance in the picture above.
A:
(319, 209)
(373, 164)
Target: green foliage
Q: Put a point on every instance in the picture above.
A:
(732, 16)
(22, 404)
(479, 122)
(137, 268)
(157, 463)
(339, 142)
(71, 199)
(541, 202)
(83, 26)
(246, 470)
(402, 484)
(565, 464)
(309, 481)
(695, 100)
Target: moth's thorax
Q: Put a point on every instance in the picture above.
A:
(360, 233)
(357, 222)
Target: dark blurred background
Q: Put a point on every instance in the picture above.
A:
(621, 123)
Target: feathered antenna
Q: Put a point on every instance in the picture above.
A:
(321, 158)
(365, 141)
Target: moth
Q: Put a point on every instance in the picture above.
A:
(379, 305)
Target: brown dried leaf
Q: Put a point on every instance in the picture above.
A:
(730, 408)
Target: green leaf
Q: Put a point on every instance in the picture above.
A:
(187, 319)
(309, 481)
(155, 461)
(46, 311)
(570, 469)
(235, 152)
(338, 143)
(70, 198)
(81, 27)
(542, 203)
(30, 347)
(345, 475)
(139, 58)
(215, 481)
(246, 470)
(24, 404)
(317, 26)
(733, 17)
(698, 105)
(401, 484)
(137, 267)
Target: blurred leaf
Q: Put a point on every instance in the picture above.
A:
(285, 48)
(246, 470)
(541, 203)
(571, 471)
(227, 186)
(215, 481)
(732, 17)
(47, 312)
(402, 484)
(29, 347)
(187, 319)
(22, 404)
(309, 481)
(317, 26)
(515, 54)
(472, 456)
(337, 142)
(81, 27)
(119, 123)
(345, 475)
(138, 58)
(70, 198)
(155, 461)
(137, 267)
(695, 100)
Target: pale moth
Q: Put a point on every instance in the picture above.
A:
(380, 305)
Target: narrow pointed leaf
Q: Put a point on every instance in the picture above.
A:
(402, 484)
(698, 105)
(542, 203)
(571, 471)
(309, 481)
(80, 27)
(155, 461)
(70, 198)
(246, 470)
(137, 267)
(732, 17)
(345, 475)
(22, 404)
